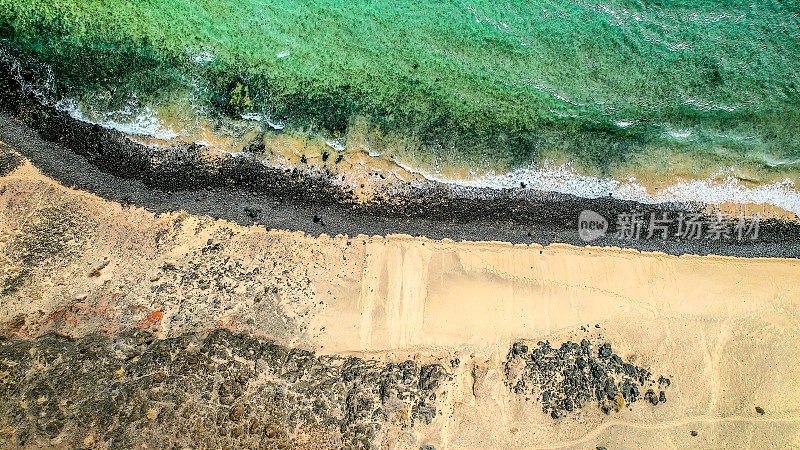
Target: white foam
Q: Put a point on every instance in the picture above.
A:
(252, 116)
(276, 126)
(723, 187)
(145, 123)
(336, 144)
(709, 105)
(201, 56)
(204, 57)
(782, 194)
(259, 118)
(680, 134)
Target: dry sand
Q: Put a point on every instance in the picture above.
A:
(725, 329)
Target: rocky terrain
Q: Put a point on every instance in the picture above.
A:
(212, 390)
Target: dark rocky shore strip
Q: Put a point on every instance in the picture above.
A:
(213, 391)
(244, 190)
(576, 375)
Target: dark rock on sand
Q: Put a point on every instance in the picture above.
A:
(252, 213)
(566, 379)
(651, 396)
(135, 390)
(519, 348)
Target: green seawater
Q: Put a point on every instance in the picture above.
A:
(612, 85)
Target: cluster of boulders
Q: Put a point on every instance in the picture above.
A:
(575, 375)
(222, 389)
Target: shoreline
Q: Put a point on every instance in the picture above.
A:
(350, 163)
(243, 190)
(297, 203)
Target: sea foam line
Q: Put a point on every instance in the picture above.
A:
(722, 187)
(145, 123)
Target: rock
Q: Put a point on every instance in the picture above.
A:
(519, 348)
(567, 378)
(662, 397)
(600, 393)
(760, 410)
(651, 396)
(597, 371)
(211, 390)
(251, 213)
(611, 389)
(426, 413)
(260, 365)
(237, 412)
(430, 376)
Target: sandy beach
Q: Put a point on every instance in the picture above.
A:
(722, 329)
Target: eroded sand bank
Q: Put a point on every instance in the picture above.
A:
(724, 329)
